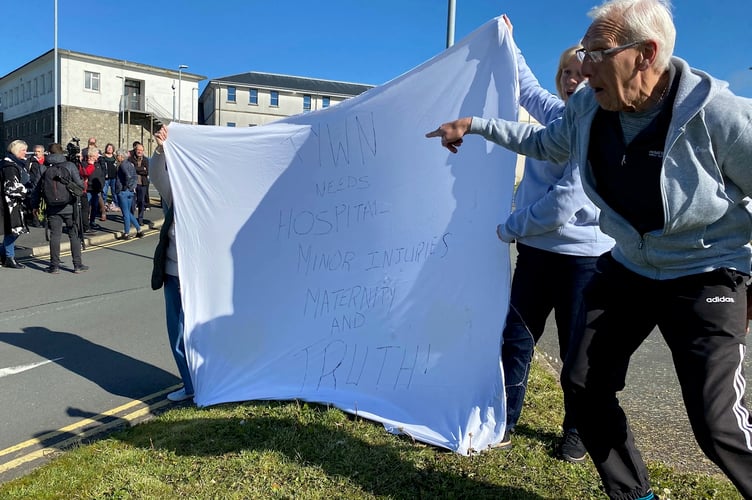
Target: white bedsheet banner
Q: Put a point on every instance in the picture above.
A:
(339, 256)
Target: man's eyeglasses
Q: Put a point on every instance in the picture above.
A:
(597, 56)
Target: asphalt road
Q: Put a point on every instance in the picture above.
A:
(79, 352)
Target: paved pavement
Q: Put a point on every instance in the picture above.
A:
(35, 244)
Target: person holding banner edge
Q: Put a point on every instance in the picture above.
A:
(555, 227)
(664, 153)
(165, 273)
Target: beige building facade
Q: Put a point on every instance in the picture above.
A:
(113, 100)
(254, 98)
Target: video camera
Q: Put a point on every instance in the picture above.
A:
(74, 149)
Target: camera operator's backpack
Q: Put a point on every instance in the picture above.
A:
(55, 186)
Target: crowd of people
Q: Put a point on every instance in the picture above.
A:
(107, 180)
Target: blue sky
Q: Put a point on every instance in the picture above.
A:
(363, 41)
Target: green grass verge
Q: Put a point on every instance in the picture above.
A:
(299, 450)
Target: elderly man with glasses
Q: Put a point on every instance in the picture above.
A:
(664, 151)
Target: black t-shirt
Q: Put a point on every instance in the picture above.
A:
(110, 167)
(628, 176)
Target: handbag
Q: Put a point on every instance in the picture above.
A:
(158, 271)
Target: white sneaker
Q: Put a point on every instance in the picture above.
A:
(179, 395)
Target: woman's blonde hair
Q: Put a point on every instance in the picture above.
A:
(563, 61)
(16, 146)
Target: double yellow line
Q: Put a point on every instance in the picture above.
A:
(141, 409)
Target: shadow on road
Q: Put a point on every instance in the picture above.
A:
(113, 371)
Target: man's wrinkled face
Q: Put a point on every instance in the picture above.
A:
(612, 79)
(39, 153)
(138, 151)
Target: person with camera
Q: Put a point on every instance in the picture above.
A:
(61, 200)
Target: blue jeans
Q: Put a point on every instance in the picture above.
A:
(109, 186)
(543, 281)
(174, 316)
(126, 202)
(9, 246)
(142, 200)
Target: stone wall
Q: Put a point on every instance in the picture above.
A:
(82, 123)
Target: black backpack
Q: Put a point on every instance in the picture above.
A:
(55, 186)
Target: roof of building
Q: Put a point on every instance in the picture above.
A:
(110, 61)
(298, 83)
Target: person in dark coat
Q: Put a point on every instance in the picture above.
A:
(61, 215)
(36, 169)
(12, 215)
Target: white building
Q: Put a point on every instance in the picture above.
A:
(254, 98)
(113, 100)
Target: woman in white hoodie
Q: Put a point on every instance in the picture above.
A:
(555, 227)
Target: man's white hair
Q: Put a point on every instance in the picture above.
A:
(642, 20)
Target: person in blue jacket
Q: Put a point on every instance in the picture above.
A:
(555, 227)
(664, 151)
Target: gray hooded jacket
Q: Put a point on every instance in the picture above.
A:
(706, 177)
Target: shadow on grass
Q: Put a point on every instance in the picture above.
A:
(549, 439)
(383, 469)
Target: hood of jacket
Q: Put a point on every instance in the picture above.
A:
(705, 179)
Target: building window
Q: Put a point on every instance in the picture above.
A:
(274, 98)
(91, 81)
(230, 124)
(230, 94)
(253, 96)
(325, 101)
(49, 81)
(36, 87)
(306, 103)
